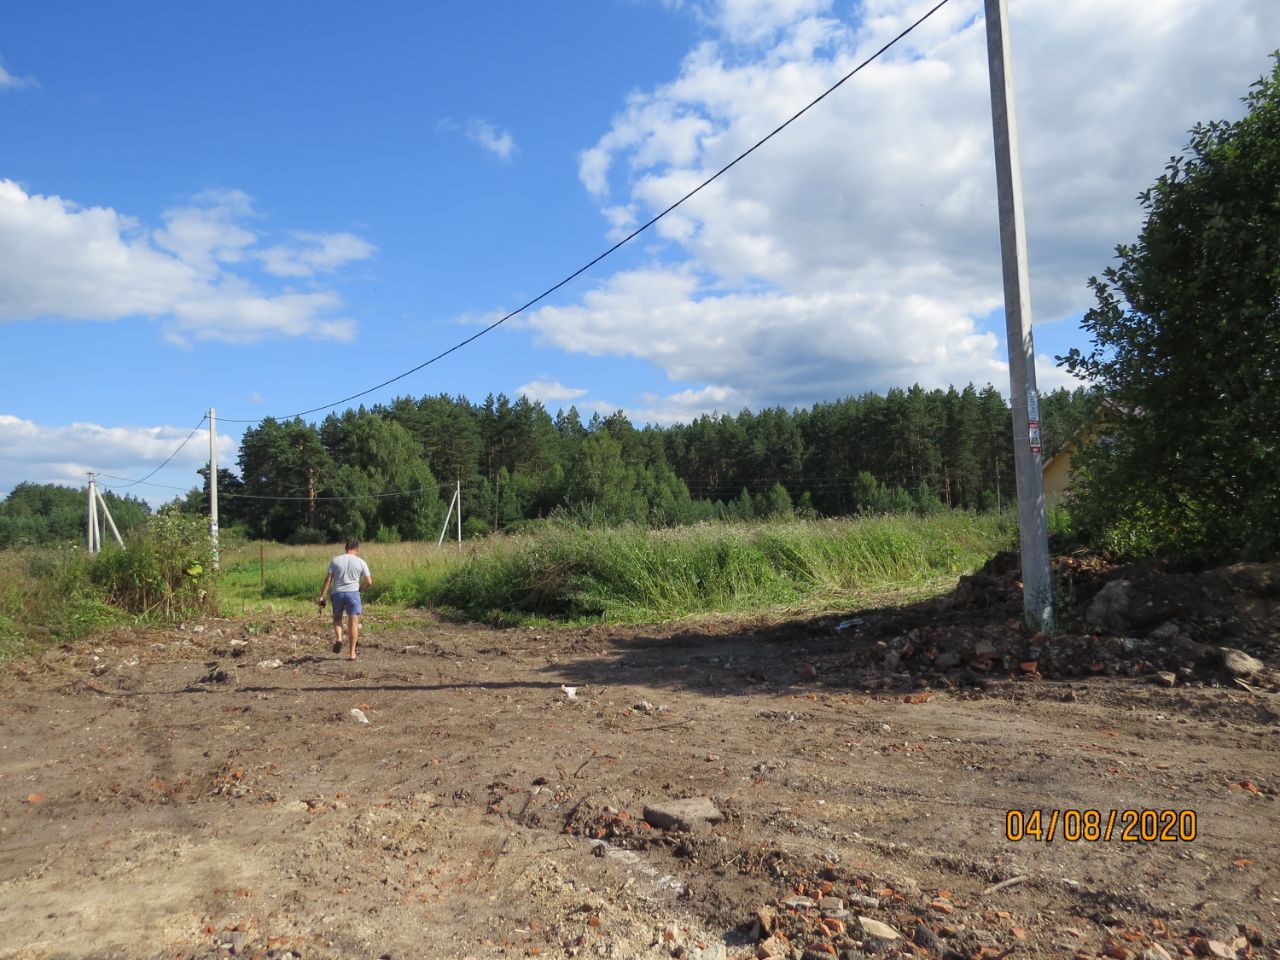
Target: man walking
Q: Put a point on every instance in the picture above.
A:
(346, 571)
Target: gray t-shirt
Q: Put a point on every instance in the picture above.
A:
(346, 570)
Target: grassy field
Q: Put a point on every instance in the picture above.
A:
(631, 574)
(553, 573)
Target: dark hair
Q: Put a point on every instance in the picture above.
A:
(353, 545)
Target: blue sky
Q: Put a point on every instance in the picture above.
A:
(265, 207)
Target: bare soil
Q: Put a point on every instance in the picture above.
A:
(168, 792)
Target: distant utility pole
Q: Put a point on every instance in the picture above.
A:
(1033, 527)
(455, 502)
(91, 518)
(93, 532)
(213, 482)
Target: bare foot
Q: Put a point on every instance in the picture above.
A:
(352, 657)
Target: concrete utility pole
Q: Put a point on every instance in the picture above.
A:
(1033, 527)
(213, 482)
(91, 518)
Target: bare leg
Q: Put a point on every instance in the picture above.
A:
(353, 628)
(337, 632)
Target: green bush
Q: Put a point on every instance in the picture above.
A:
(166, 569)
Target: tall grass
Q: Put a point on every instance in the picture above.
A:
(46, 598)
(261, 577)
(632, 574)
(553, 571)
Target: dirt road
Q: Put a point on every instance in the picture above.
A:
(176, 793)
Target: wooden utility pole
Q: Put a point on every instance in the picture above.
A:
(213, 482)
(1033, 528)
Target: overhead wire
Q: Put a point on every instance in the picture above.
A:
(194, 431)
(625, 240)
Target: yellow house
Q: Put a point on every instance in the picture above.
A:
(1057, 476)
(1057, 469)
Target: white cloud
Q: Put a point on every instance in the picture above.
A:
(859, 249)
(62, 261)
(208, 235)
(774, 347)
(236, 313)
(92, 264)
(485, 134)
(9, 81)
(315, 253)
(41, 453)
(686, 405)
(549, 391)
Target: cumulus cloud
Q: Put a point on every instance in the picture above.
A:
(685, 405)
(206, 235)
(765, 348)
(859, 249)
(62, 261)
(236, 313)
(313, 253)
(43, 453)
(549, 391)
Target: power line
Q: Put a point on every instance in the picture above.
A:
(193, 432)
(625, 240)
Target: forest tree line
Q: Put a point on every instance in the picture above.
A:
(388, 472)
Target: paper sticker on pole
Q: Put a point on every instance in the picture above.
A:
(1033, 434)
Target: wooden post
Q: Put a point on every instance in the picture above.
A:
(262, 567)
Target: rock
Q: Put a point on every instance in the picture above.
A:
(197, 628)
(1238, 663)
(874, 928)
(297, 806)
(1155, 952)
(799, 903)
(1166, 679)
(1215, 948)
(866, 903)
(644, 706)
(767, 918)
(1167, 632)
(1189, 651)
(947, 660)
(238, 644)
(98, 669)
(984, 650)
(892, 659)
(830, 903)
(924, 937)
(411, 648)
(773, 949)
(686, 815)
(358, 715)
(235, 941)
(809, 672)
(1110, 608)
(270, 664)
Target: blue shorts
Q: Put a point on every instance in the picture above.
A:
(348, 601)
